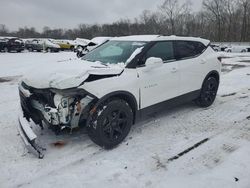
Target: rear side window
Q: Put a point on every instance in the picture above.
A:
(163, 50)
(188, 49)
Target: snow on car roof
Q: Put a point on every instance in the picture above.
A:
(159, 38)
(173, 37)
(136, 38)
(100, 40)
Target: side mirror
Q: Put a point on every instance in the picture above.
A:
(153, 62)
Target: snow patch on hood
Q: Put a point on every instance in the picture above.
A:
(69, 74)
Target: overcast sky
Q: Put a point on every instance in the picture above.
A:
(70, 13)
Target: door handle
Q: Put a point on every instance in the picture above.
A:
(174, 70)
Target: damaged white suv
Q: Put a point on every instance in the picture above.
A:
(118, 83)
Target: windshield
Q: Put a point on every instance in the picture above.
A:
(114, 52)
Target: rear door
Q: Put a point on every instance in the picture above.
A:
(192, 65)
(160, 83)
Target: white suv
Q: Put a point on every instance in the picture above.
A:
(118, 83)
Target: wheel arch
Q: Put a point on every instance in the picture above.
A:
(214, 74)
(124, 95)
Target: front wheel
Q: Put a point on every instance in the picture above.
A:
(110, 124)
(208, 92)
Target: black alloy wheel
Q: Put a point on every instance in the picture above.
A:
(208, 92)
(110, 124)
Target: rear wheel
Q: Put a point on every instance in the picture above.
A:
(208, 92)
(49, 50)
(110, 124)
(6, 49)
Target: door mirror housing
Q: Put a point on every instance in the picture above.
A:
(153, 62)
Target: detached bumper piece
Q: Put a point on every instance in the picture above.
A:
(29, 138)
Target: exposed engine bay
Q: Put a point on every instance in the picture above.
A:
(62, 109)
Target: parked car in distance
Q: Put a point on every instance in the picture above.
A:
(42, 45)
(219, 48)
(80, 43)
(34, 45)
(11, 44)
(237, 49)
(92, 44)
(216, 47)
(3, 42)
(65, 44)
(118, 83)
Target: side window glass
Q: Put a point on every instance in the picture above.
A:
(187, 49)
(163, 50)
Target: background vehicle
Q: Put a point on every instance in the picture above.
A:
(42, 45)
(34, 45)
(219, 48)
(216, 47)
(95, 42)
(119, 82)
(65, 44)
(237, 49)
(3, 43)
(11, 44)
(80, 43)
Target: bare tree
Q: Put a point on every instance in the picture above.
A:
(216, 8)
(218, 20)
(245, 5)
(171, 11)
(230, 14)
(3, 30)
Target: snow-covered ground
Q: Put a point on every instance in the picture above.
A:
(142, 160)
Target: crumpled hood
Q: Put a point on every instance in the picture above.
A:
(68, 74)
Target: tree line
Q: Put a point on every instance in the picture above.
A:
(218, 20)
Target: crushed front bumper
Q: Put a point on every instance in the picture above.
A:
(29, 137)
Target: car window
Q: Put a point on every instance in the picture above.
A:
(112, 51)
(163, 50)
(187, 49)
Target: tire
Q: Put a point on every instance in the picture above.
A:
(49, 50)
(6, 49)
(208, 92)
(30, 49)
(243, 51)
(110, 124)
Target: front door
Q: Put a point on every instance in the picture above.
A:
(159, 83)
